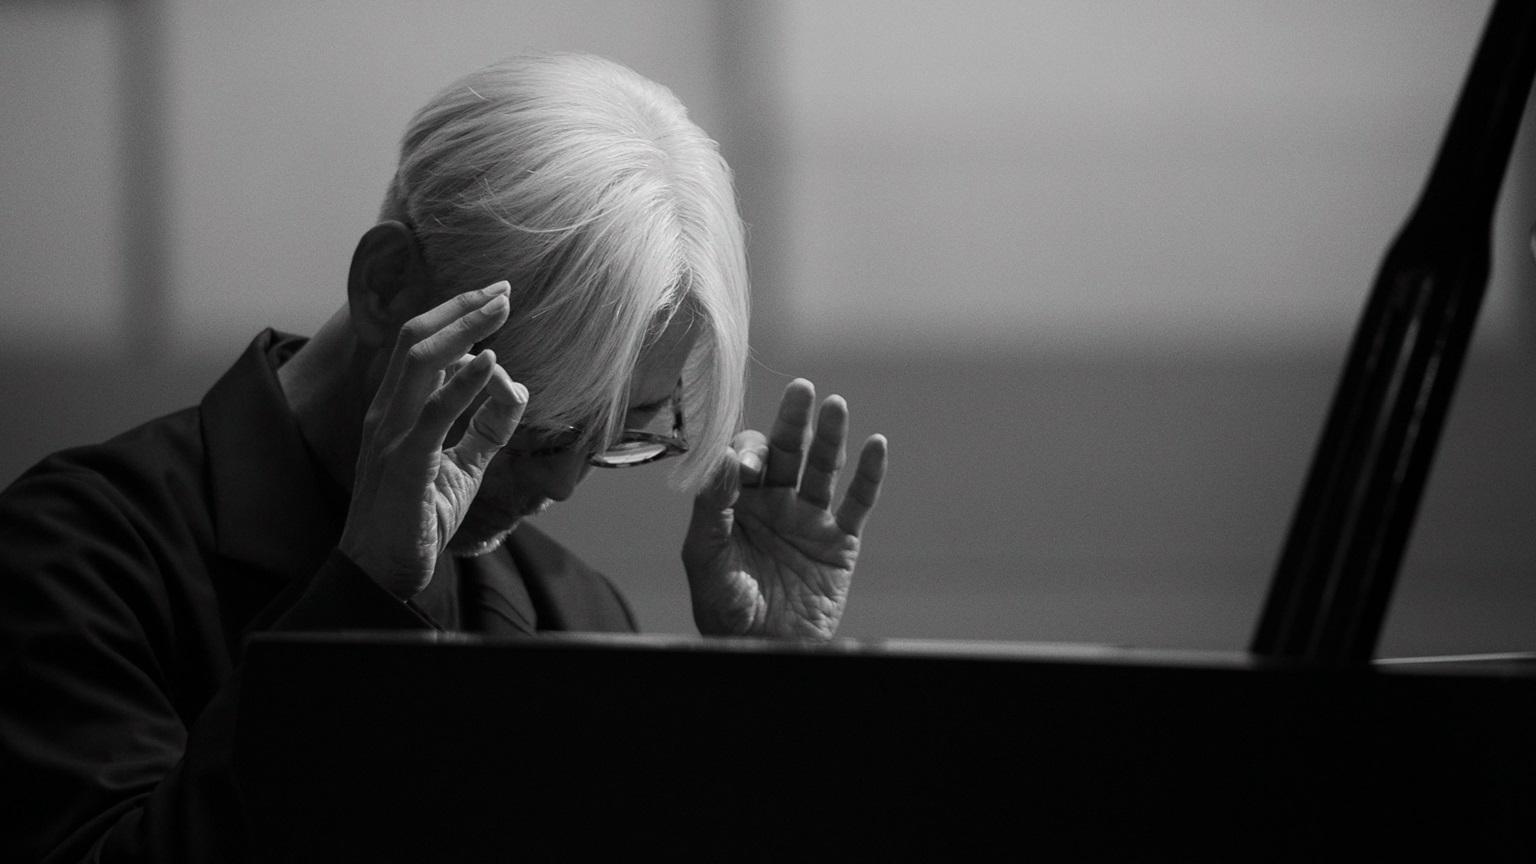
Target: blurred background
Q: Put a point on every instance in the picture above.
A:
(1092, 267)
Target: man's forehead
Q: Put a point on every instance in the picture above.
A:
(648, 400)
(650, 405)
(661, 364)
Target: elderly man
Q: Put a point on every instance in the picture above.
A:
(557, 283)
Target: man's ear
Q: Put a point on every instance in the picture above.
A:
(387, 285)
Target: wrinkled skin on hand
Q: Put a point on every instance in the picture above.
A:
(766, 555)
(410, 494)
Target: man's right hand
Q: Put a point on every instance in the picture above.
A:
(409, 494)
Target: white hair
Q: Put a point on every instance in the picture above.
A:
(611, 213)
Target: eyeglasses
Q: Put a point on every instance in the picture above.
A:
(632, 447)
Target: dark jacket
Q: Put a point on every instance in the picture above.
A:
(131, 573)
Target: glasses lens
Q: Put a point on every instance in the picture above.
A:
(535, 441)
(628, 453)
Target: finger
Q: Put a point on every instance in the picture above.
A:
(433, 320)
(493, 422)
(447, 375)
(456, 366)
(826, 455)
(426, 358)
(865, 488)
(751, 448)
(452, 399)
(722, 489)
(431, 340)
(786, 443)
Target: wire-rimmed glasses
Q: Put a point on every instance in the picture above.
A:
(632, 447)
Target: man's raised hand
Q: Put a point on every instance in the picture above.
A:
(409, 493)
(766, 555)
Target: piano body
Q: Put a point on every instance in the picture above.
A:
(1306, 747)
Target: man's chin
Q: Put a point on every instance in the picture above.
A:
(473, 548)
(472, 543)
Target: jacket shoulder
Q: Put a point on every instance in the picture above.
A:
(151, 477)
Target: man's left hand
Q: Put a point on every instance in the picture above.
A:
(765, 555)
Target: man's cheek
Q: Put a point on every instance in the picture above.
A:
(499, 481)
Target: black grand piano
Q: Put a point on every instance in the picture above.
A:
(1307, 747)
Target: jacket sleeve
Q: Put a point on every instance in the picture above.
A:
(117, 708)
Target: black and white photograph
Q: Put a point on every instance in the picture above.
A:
(767, 430)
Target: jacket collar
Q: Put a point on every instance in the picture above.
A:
(274, 506)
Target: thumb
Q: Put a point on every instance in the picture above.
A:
(723, 488)
(493, 422)
(742, 467)
(713, 518)
(751, 450)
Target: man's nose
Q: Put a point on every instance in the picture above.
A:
(566, 471)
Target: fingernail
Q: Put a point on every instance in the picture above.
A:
(519, 392)
(495, 288)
